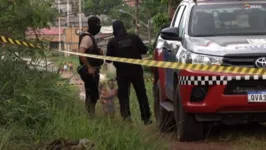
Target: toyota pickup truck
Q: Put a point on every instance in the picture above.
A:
(211, 32)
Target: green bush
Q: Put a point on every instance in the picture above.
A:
(159, 20)
(26, 95)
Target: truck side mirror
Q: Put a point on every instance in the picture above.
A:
(170, 34)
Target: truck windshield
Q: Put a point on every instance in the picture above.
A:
(228, 19)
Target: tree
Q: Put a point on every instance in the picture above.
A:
(18, 102)
(172, 4)
(126, 18)
(17, 16)
(159, 20)
(151, 9)
(97, 7)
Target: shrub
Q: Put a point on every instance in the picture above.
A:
(26, 95)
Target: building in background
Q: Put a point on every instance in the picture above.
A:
(69, 34)
(51, 35)
(73, 5)
(72, 38)
(131, 3)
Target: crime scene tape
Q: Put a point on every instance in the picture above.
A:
(180, 66)
(68, 84)
(153, 63)
(72, 84)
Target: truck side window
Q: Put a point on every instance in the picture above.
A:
(182, 23)
(178, 16)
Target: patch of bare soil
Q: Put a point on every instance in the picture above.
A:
(226, 138)
(75, 80)
(64, 144)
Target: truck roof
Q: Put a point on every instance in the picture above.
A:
(222, 1)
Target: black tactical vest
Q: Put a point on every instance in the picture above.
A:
(94, 49)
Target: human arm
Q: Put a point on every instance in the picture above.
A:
(143, 49)
(85, 44)
(112, 94)
(110, 51)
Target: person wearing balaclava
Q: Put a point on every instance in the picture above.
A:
(129, 46)
(89, 68)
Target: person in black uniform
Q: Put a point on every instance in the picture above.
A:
(89, 67)
(129, 46)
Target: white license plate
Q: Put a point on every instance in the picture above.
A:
(257, 96)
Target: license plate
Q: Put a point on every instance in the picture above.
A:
(258, 96)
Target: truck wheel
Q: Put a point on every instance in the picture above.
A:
(165, 120)
(188, 129)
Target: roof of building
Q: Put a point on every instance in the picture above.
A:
(46, 31)
(130, 3)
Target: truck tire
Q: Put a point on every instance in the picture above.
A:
(165, 120)
(188, 129)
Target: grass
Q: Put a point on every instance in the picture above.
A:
(114, 134)
(71, 122)
(30, 98)
(241, 137)
(36, 111)
(61, 59)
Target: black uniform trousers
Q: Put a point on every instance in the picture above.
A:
(91, 84)
(124, 79)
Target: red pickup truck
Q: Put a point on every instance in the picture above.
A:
(211, 32)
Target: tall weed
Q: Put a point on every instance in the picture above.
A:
(35, 111)
(26, 96)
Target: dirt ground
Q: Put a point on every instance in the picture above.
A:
(235, 137)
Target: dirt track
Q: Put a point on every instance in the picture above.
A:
(237, 137)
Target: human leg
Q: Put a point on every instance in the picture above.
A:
(123, 96)
(139, 86)
(91, 90)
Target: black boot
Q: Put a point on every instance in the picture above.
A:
(127, 119)
(90, 108)
(147, 122)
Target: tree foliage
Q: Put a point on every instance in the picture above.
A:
(126, 18)
(159, 20)
(24, 95)
(154, 10)
(17, 16)
(172, 2)
(97, 7)
(149, 10)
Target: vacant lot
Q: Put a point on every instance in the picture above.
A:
(34, 111)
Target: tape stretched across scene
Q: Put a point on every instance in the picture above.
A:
(72, 84)
(153, 63)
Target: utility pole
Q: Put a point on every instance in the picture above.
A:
(68, 48)
(137, 17)
(149, 31)
(68, 13)
(80, 19)
(59, 25)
